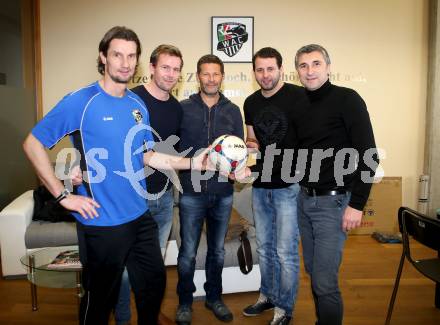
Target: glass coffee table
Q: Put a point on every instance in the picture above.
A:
(39, 274)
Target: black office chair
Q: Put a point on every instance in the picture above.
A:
(427, 232)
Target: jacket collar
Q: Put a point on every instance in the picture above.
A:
(198, 98)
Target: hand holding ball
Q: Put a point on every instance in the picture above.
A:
(228, 154)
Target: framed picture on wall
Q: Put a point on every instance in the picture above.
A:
(232, 38)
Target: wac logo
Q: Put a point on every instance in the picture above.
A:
(231, 37)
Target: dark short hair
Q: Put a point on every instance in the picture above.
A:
(165, 49)
(312, 48)
(266, 53)
(117, 32)
(210, 58)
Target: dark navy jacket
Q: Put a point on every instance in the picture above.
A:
(200, 127)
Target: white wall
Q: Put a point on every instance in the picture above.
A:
(378, 47)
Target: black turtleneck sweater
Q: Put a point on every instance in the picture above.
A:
(336, 118)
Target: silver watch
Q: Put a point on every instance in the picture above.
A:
(63, 195)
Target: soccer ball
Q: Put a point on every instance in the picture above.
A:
(228, 153)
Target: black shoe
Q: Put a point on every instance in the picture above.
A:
(283, 320)
(220, 310)
(183, 315)
(258, 308)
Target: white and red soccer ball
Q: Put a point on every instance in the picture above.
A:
(228, 153)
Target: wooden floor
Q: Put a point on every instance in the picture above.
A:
(367, 277)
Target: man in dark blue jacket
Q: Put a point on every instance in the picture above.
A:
(206, 116)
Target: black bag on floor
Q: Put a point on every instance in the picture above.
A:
(244, 254)
(45, 208)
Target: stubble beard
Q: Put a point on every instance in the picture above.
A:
(272, 85)
(210, 93)
(119, 80)
(161, 86)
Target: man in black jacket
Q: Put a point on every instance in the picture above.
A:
(335, 129)
(206, 116)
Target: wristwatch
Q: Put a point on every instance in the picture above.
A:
(62, 196)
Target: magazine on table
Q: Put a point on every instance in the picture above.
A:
(66, 260)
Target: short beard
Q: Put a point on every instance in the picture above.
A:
(272, 86)
(121, 81)
(202, 89)
(118, 80)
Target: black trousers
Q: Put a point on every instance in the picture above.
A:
(104, 252)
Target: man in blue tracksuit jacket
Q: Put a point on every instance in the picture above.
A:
(109, 127)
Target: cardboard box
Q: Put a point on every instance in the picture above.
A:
(380, 212)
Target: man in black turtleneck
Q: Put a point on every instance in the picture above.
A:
(335, 129)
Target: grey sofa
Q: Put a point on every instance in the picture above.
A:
(20, 235)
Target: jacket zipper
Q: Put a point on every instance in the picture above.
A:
(209, 130)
